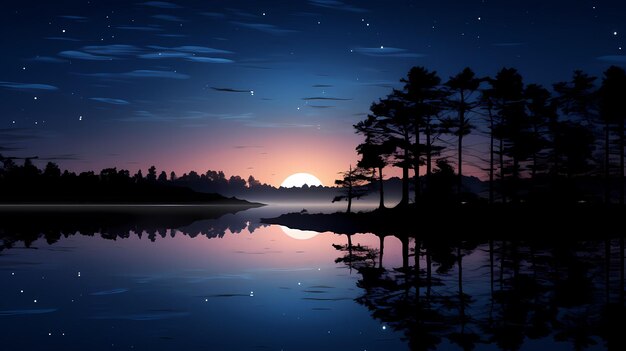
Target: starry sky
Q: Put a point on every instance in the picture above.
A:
(268, 88)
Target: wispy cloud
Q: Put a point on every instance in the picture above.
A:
(62, 38)
(231, 90)
(148, 116)
(384, 51)
(321, 106)
(242, 116)
(168, 18)
(61, 157)
(613, 58)
(47, 59)
(27, 86)
(324, 98)
(110, 101)
(141, 28)
(247, 147)
(337, 5)
(265, 28)
(141, 73)
(80, 55)
(114, 49)
(322, 86)
(162, 4)
(164, 55)
(208, 59)
(75, 18)
(194, 49)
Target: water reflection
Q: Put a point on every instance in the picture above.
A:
(515, 292)
(421, 293)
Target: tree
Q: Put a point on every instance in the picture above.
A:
(460, 100)
(173, 176)
(613, 114)
(252, 182)
(513, 129)
(152, 175)
(541, 112)
(393, 118)
(52, 170)
(352, 184)
(423, 97)
(162, 177)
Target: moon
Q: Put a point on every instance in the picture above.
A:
(299, 179)
(299, 234)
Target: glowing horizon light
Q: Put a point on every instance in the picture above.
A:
(299, 180)
(299, 234)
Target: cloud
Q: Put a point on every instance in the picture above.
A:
(79, 55)
(322, 86)
(47, 59)
(141, 28)
(613, 58)
(114, 49)
(142, 73)
(110, 101)
(387, 52)
(265, 28)
(243, 116)
(147, 116)
(320, 106)
(172, 35)
(337, 5)
(62, 38)
(230, 90)
(247, 147)
(18, 134)
(168, 18)
(193, 49)
(164, 55)
(60, 157)
(75, 18)
(27, 86)
(161, 4)
(208, 59)
(324, 98)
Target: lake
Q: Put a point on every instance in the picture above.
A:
(217, 279)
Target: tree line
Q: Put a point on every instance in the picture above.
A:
(531, 143)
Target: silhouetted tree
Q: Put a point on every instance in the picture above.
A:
(152, 174)
(352, 183)
(461, 101)
(423, 96)
(613, 113)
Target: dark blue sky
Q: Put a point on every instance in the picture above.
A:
(258, 87)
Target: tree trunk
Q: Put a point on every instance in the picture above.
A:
(381, 182)
(461, 297)
(405, 179)
(460, 146)
(621, 163)
(502, 188)
(381, 247)
(607, 179)
(416, 163)
(491, 158)
(349, 190)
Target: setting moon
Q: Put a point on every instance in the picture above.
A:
(299, 179)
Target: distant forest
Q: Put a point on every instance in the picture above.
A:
(28, 183)
(530, 144)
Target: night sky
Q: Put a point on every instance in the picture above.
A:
(267, 88)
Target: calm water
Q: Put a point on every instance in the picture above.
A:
(157, 282)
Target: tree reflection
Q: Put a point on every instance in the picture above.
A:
(551, 290)
(29, 225)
